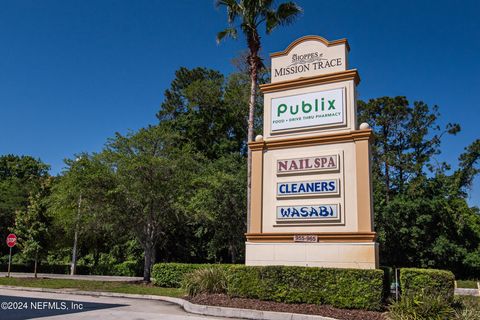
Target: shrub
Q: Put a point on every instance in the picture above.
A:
(128, 268)
(421, 307)
(419, 282)
(467, 308)
(170, 275)
(210, 280)
(342, 288)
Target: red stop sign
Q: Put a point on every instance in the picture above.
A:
(11, 240)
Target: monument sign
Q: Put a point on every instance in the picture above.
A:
(311, 190)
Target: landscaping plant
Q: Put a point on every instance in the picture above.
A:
(209, 280)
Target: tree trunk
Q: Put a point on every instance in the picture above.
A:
(387, 181)
(253, 63)
(149, 255)
(73, 266)
(36, 263)
(233, 254)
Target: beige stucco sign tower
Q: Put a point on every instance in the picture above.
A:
(311, 188)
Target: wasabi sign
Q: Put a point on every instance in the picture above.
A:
(324, 108)
(308, 212)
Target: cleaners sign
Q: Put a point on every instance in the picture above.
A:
(303, 188)
(308, 212)
(308, 110)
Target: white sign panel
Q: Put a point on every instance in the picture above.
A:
(308, 164)
(309, 56)
(302, 188)
(308, 212)
(308, 110)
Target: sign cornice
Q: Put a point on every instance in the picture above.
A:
(310, 38)
(351, 74)
(290, 142)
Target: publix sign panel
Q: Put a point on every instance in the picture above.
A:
(323, 108)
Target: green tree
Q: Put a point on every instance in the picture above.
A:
(31, 225)
(204, 110)
(79, 200)
(252, 13)
(188, 109)
(151, 178)
(421, 215)
(20, 177)
(218, 205)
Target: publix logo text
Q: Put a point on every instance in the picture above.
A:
(306, 107)
(307, 110)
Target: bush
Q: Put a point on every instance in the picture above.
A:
(425, 307)
(128, 268)
(170, 275)
(342, 288)
(419, 282)
(467, 308)
(210, 280)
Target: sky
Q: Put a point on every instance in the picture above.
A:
(72, 73)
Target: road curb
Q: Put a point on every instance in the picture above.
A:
(186, 305)
(467, 292)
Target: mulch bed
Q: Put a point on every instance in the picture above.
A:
(322, 310)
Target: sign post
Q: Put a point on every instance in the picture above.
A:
(311, 199)
(11, 242)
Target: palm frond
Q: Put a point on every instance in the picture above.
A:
(285, 14)
(234, 9)
(229, 32)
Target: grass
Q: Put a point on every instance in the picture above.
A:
(470, 284)
(87, 285)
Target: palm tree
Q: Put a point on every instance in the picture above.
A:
(252, 13)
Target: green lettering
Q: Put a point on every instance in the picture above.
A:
(331, 104)
(291, 109)
(281, 109)
(306, 107)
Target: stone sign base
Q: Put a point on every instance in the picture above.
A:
(358, 255)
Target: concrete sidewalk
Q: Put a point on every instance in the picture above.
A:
(67, 276)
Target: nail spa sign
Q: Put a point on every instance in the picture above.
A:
(323, 108)
(308, 164)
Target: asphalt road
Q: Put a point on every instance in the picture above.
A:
(21, 305)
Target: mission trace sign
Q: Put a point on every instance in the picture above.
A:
(311, 199)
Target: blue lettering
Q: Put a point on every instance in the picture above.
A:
(310, 187)
(301, 188)
(318, 187)
(323, 211)
(324, 186)
(294, 188)
(281, 188)
(313, 212)
(295, 212)
(285, 212)
(304, 212)
(332, 185)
